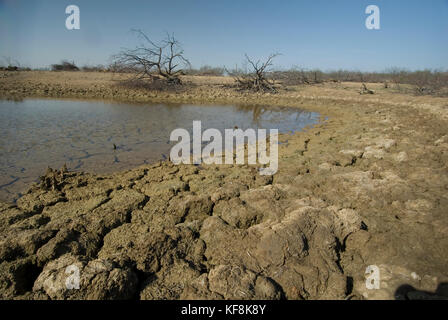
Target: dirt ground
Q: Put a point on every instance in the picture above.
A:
(366, 186)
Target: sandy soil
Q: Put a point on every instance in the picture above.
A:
(367, 186)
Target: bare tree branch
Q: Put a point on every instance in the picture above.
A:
(154, 61)
(256, 79)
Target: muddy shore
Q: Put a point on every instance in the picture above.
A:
(366, 186)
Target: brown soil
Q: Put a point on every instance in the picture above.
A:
(367, 186)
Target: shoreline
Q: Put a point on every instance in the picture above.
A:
(11, 196)
(367, 186)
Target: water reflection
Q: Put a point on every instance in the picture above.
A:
(104, 137)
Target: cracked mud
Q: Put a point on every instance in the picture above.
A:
(367, 186)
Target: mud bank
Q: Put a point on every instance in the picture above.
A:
(368, 186)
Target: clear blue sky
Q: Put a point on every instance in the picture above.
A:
(324, 34)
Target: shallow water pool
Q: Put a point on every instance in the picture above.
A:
(104, 137)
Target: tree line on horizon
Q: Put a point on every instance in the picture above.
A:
(163, 63)
(423, 81)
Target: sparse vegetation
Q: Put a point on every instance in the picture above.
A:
(206, 71)
(118, 67)
(433, 82)
(163, 65)
(95, 68)
(65, 66)
(298, 76)
(9, 64)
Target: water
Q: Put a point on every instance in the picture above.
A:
(37, 133)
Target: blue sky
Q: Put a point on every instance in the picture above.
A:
(323, 34)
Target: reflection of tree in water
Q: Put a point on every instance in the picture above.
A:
(279, 116)
(272, 114)
(256, 111)
(173, 110)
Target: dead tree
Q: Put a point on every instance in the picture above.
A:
(154, 61)
(256, 79)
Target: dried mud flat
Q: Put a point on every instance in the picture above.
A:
(367, 186)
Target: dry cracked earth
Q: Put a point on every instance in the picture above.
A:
(368, 186)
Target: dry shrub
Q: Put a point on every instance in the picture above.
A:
(206, 71)
(429, 82)
(97, 68)
(257, 79)
(298, 76)
(64, 66)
